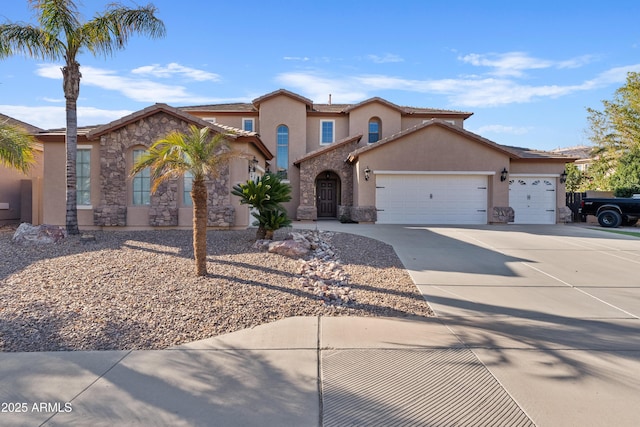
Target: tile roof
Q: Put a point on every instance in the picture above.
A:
(330, 147)
(4, 119)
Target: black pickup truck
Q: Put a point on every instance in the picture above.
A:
(612, 212)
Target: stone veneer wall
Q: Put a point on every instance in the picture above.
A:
(334, 161)
(163, 210)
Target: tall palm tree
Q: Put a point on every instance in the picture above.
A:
(197, 153)
(63, 35)
(16, 148)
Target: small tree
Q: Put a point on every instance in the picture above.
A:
(16, 148)
(615, 132)
(203, 156)
(266, 194)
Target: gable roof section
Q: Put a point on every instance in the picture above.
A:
(256, 102)
(513, 154)
(323, 150)
(233, 133)
(4, 119)
(374, 100)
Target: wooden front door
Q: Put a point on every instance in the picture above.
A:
(327, 192)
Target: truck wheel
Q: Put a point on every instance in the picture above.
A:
(610, 219)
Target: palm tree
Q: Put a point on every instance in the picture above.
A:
(62, 35)
(197, 153)
(16, 148)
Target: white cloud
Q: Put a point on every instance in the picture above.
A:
(173, 69)
(137, 89)
(515, 63)
(296, 58)
(386, 58)
(501, 129)
(469, 91)
(318, 88)
(54, 117)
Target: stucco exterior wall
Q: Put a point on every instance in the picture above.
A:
(13, 208)
(53, 185)
(284, 110)
(341, 130)
(359, 120)
(433, 149)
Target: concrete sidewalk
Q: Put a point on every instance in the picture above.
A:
(536, 326)
(303, 371)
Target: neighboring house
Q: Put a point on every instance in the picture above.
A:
(20, 194)
(373, 161)
(582, 153)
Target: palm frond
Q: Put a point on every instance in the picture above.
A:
(16, 148)
(57, 16)
(111, 30)
(177, 153)
(29, 41)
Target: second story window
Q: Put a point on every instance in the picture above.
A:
(141, 183)
(374, 130)
(282, 151)
(327, 131)
(247, 124)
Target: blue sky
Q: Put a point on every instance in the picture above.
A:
(526, 69)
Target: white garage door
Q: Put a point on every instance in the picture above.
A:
(431, 199)
(533, 199)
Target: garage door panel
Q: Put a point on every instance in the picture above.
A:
(533, 200)
(431, 199)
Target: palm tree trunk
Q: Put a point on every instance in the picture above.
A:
(199, 197)
(71, 84)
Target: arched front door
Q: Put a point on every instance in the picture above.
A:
(327, 194)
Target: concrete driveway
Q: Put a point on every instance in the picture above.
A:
(552, 311)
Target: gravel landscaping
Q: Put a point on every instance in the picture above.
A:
(138, 290)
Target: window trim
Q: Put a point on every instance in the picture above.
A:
(186, 194)
(377, 121)
(333, 131)
(278, 146)
(139, 176)
(83, 147)
(253, 124)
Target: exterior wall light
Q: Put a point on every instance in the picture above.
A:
(367, 171)
(252, 164)
(503, 174)
(563, 177)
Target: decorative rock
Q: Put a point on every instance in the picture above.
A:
(289, 248)
(38, 234)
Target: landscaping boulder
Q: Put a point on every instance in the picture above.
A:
(289, 248)
(38, 234)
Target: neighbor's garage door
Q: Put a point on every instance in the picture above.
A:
(533, 199)
(431, 199)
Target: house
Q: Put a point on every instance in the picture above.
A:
(374, 161)
(20, 194)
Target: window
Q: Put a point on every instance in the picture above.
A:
(247, 124)
(186, 191)
(327, 132)
(83, 177)
(141, 183)
(374, 130)
(209, 119)
(282, 151)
